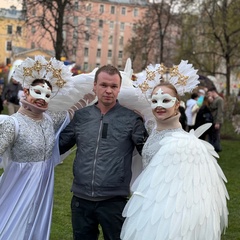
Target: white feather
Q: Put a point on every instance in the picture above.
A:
(184, 198)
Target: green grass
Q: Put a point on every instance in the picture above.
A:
(229, 161)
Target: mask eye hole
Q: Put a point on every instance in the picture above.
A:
(154, 101)
(37, 91)
(166, 100)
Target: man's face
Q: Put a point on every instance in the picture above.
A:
(210, 96)
(107, 88)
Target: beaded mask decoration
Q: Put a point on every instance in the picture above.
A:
(183, 77)
(53, 71)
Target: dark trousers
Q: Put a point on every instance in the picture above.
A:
(214, 138)
(87, 215)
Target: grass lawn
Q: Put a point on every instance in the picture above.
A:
(229, 161)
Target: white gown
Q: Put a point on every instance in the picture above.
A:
(26, 185)
(181, 192)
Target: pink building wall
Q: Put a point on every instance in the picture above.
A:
(118, 25)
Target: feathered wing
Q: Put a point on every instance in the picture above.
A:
(180, 195)
(83, 84)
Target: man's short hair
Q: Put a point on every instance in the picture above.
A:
(212, 89)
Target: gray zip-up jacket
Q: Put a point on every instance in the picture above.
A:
(105, 144)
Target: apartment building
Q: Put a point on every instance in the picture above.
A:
(106, 27)
(12, 33)
(114, 27)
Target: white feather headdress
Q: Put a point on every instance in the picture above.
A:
(183, 77)
(53, 71)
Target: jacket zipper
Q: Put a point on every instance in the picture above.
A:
(95, 158)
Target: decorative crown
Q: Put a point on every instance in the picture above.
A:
(53, 71)
(183, 76)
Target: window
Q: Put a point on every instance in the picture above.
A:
(99, 38)
(19, 30)
(9, 46)
(88, 22)
(111, 25)
(100, 23)
(135, 12)
(8, 61)
(110, 39)
(99, 53)
(97, 64)
(85, 52)
(123, 11)
(87, 36)
(120, 54)
(76, 6)
(75, 35)
(34, 12)
(32, 45)
(112, 9)
(85, 66)
(9, 29)
(109, 53)
(121, 40)
(101, 9)
(33, 30)
(75, 20)
(89, 7)
(134, 26)
(122, 25)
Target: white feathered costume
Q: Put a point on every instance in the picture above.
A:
(180, 194)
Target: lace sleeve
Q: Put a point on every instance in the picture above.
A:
(57, 118)
(7, 134)
(150, 124)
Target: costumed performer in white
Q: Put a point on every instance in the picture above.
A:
(181, 192)
(29, 148)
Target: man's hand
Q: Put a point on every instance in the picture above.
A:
(89, 97)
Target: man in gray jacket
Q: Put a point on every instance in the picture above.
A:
(106, 134)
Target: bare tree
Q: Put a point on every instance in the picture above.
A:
(61, 22)
(211, 38)
(140, 46)
(156, 33)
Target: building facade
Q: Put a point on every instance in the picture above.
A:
(104, 30)
(12, 33)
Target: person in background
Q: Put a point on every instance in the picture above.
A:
(106, 134)
(216, 106)
(190, 113)
(10, 96)
(183, 117)
(204, 116)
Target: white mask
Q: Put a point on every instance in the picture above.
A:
(41, 92)
(164, 100)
